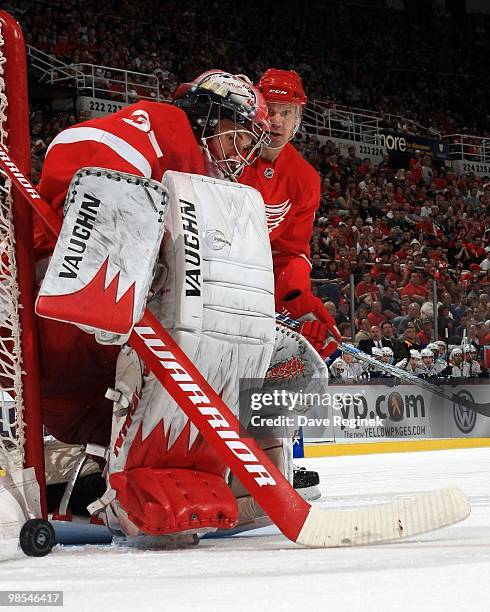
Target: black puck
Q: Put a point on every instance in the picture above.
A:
(37, 537)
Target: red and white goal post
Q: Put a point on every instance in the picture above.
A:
(21, 438)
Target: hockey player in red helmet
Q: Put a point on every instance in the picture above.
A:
(290, 187)
(284, 88)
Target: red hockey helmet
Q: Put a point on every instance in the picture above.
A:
(282, 86)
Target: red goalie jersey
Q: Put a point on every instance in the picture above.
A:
(145, 139)
(290, 187)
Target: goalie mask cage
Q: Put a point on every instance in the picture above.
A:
(21, 440)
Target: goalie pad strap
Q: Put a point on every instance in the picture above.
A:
(103, 501)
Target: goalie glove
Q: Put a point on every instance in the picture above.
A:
(318, 325)
(325, 338)
(303, 306)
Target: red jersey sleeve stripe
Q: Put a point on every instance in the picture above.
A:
(118, 145)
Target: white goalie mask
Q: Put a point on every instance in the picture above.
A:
(229, 118)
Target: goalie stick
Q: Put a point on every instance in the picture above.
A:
(483, 409)
(297, 519)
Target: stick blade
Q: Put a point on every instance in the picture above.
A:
(384, 523)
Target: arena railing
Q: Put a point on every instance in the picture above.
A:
(96, 80)
(466, 147)
(48, 67)
(117, 84)
(360, 125)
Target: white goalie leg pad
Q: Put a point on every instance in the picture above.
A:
(217, 301)
(103, 263)
(125, 395)
(126, 392)
(219, 278)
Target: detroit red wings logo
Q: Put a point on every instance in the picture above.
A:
(276, 213)
(293, 367)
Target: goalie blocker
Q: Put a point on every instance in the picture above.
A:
(103, 264)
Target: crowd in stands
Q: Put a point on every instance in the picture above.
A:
(396, 230)
(431, 68)
(402, 234)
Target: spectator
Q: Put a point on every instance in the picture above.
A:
(427, 310)
(317, 268)
(367, 291)
(475, 334)
(415, 166)
(427, 170)
(413, 316)
(362, 313)
(459, 253)
(342, 315)
(390, 302)
(425, 335)
(345, 332)
(394, 275)
(364, 332)
(376, 317)
(486, 337)
(407, 342)
(373, 341)
(330, 271)
(454, 310)
(387, 335)
(485, 263)
(415, 289)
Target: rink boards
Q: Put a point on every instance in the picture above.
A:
(394, 418)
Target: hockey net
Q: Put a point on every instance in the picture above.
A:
(21, 443)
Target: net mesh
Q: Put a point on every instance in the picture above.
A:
(11, 396)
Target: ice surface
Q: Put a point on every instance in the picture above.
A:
(443, 570)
